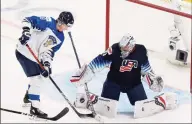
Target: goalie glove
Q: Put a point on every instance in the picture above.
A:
(82, 76)
(155, 82)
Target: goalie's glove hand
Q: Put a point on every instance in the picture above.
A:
(82, 76)
(47, 71)
(25, 36)
(155, 82)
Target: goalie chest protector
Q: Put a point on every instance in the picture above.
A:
(127, 72)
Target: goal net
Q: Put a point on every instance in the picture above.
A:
(157, 25)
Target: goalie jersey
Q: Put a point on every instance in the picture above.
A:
(45, 39)
(125, 72)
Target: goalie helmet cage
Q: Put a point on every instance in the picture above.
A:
(154, 7)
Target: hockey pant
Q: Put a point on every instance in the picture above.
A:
(112, 90)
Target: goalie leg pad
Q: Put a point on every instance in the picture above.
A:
(171, 100)
(106, 107)
(158, 104)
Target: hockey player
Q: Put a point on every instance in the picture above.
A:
(44, 35)
(128, 63)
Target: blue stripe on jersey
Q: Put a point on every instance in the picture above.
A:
(146, 67)
(38, 23)
(34, 97)
(98, 63)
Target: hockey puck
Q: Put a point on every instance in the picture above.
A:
(82, 100)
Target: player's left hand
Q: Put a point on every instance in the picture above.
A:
(25, 35)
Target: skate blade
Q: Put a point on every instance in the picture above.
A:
(38, 119)
(25, 105)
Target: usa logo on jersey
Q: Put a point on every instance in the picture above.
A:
(128, 65)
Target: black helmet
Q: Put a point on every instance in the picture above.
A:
(66, 17)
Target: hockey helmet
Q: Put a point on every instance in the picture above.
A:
(66, 17)
(129, 42)
(127, 39)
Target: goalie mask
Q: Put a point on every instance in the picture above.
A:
(126, 44)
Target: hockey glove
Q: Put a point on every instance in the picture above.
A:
(47, 71)
(155, 82)
(25, 35)
(157, 85)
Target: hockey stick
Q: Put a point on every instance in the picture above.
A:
(79, 114)
(86, 87)
(55, 118)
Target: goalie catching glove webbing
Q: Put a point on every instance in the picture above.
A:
(155, 82)
(82, 76)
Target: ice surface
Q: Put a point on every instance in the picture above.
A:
(88, 34)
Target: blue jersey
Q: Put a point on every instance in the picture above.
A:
(125, 72)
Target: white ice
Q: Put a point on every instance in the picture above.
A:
(147, 25)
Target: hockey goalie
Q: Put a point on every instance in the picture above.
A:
(129, 65)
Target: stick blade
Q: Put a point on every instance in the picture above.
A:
(60, 115)
(86, 115)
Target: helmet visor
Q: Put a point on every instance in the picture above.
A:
(62, 23)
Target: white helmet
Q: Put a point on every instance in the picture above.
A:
(127, 39)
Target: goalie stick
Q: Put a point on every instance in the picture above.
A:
(55, 118)
(94, 114)
(72, 106)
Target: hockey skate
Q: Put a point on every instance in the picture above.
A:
(26, 102)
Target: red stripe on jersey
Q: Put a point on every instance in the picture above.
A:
(148, 80)
(130, 64)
